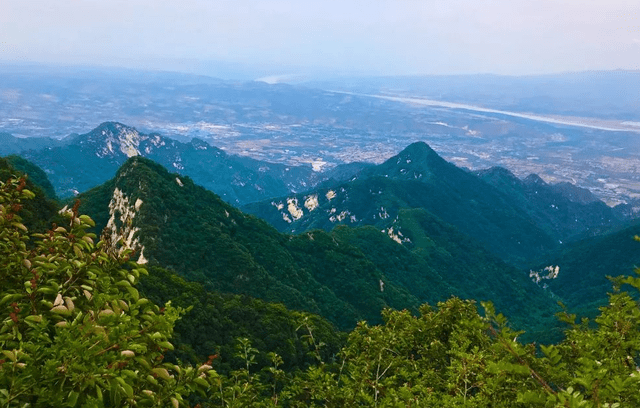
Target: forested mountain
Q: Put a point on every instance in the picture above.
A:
(36, 175)
(38, 212)
(87, 160)
(214, 320)
(71, 311)
(341, 275)
(585, 265)
(501, 218)
(447, 262)
(186, 228)
(566, 211)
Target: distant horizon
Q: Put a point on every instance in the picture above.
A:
(245, 74)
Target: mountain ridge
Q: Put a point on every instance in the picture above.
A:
(90, 159)
(231, 252)
(566, 211)
(191, 231)
(336, 274)
(490, 205)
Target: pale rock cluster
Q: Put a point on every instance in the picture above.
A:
(127, 139)
(330, 195)
(548, 273)
(126, 234)
(294, 210)
(177, 164)
(311, 202)
(341, 216)
(396, 235)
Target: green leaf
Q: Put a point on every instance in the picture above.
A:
(87, 220)
(201, 381)
(162, 373)
(128, 390)
(20, 226)
(33, 318)
(10, 298)
(72, 399)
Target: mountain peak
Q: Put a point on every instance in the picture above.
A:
(139, 165)
(575, 193)
(497, 171)
(418, 153)
(417, 161)
(200, 144)
(498, 175)
(534, 179)
(113, 138)
(112, 127)
(418, 148)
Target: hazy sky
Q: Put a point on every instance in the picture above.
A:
(301, 37)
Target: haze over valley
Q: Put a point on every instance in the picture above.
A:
(302, 125)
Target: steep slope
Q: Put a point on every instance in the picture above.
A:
(415, 178)
(215, 321)
(447, 262)
(564, 210)
(93, 158)
(582, 281)
(183, 227)
(37, 213)
(36, 175)
(344, 172)
(344, 275)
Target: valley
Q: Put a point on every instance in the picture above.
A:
(300, 125)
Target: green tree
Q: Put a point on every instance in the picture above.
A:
(74, 330)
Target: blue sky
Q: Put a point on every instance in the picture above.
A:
(307, 38)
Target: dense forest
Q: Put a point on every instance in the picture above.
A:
(190, 230)
(82, 324)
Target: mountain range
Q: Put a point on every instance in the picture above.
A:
(518, 220)
(212, 321)
(545, 215)
(345, 275)
(413, 229)
(10, 144)
(80, 162)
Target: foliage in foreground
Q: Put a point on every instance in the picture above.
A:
(75, 332)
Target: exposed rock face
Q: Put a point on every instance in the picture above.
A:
(120, 231)
(90, 159)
